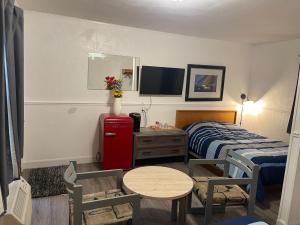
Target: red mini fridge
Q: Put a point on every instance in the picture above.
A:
(116, 141)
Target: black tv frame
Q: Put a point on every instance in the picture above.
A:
(161, 94)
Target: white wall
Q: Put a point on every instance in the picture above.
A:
(273, 79)
(290, 199)
(61, 114)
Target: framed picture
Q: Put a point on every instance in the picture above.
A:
(205, 83)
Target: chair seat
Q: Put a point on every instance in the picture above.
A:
(223, 194)
(117, 214)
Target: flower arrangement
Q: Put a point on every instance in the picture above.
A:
(115, 85)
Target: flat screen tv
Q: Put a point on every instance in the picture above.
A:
(161, 80)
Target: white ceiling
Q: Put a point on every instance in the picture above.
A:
(250, 21)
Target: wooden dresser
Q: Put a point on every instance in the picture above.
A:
(149, 143)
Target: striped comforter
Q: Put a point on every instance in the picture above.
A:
(213, 140)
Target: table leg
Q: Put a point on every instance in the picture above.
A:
(174, 210)
(182, 211)
(186, 159)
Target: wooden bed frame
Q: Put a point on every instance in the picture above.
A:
(186, 117)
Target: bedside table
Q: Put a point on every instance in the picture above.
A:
(150, 143)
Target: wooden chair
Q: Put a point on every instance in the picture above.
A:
(107, 207)
(215, 193)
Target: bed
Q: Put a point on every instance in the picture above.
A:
(213, 133)
(243, 220)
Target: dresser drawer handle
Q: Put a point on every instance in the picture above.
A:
(147, 141)
(146, 153)
(176, 140)
(175, 150)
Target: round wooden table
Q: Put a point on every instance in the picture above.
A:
(159, 182)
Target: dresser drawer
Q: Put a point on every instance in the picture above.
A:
(174, 140)
(160, 152)
(156, 141)
(146, 141)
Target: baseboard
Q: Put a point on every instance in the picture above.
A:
(55, 162)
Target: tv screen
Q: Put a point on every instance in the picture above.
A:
(161, 81)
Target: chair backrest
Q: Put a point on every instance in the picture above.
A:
(70, 177)
(246, 165)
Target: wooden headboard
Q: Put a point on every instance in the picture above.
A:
(186, 117)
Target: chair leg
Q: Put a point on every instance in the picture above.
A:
(133, 221)
(77, 206)
(209, 203)
(136, 208)
(77, 217)
(207, 214)
(251, 207)
(252, 199)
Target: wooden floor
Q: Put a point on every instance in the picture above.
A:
(54, 210)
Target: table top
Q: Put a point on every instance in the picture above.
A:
(160, 132)
(158, 182)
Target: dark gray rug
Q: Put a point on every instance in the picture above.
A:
(47, 181)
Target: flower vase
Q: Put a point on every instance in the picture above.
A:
(117, 106)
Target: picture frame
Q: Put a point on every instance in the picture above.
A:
(205, 83)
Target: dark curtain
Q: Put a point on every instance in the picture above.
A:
(289, 128)
(12, 93)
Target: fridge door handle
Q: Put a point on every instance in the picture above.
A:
(110, 134)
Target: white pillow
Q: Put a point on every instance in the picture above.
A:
(258, 223)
